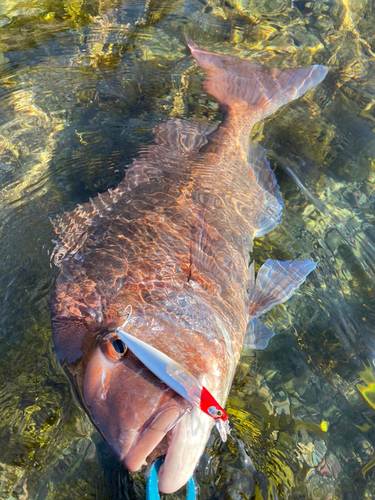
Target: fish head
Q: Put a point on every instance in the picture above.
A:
(132, 408)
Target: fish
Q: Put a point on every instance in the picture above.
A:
(164, 257)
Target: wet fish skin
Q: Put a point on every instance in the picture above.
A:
(171, 242)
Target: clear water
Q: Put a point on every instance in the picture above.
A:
(82, 83)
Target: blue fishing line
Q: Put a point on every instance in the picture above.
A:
(152, 492)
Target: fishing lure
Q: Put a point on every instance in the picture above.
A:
(179, 379)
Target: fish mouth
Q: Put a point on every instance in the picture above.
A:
(150, 440)
(133, 409)
(182, 446)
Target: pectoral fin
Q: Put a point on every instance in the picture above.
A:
(275, 283)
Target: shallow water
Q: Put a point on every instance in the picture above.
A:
(82, 83)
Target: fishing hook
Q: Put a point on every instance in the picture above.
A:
(169, 427)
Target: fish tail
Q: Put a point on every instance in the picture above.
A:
(244, 88)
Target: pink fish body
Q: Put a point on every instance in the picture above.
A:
(171, 243)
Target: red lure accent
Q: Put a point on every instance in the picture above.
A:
(207, 400)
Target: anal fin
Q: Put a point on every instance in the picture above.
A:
(275, 283)
(257, 335)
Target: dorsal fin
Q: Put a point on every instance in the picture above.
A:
(184, 135)
(172, 139)
(71, 227)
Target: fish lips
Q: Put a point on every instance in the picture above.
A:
(149, 440)
(182, 446)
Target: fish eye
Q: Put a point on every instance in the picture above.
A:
(219, 413)
(119, 346)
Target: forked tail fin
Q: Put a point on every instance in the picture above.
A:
(241, 87)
